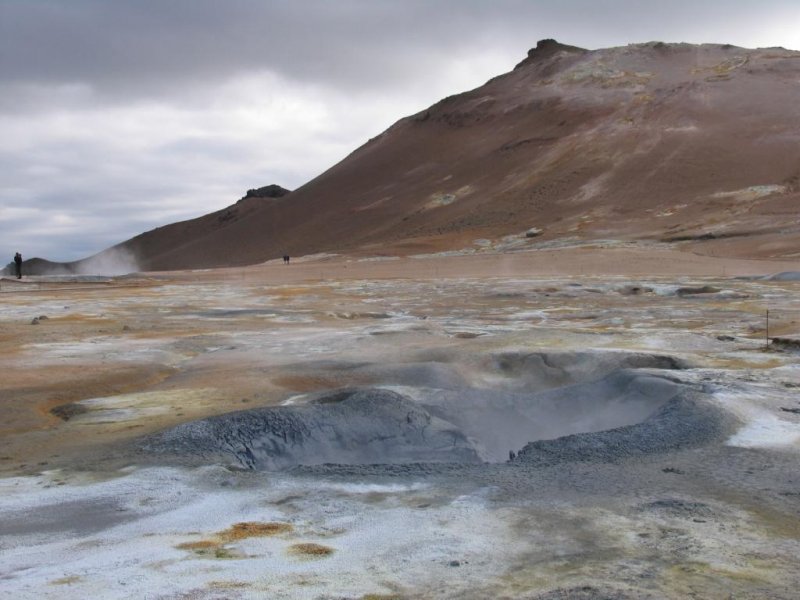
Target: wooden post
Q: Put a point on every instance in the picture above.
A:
(766, 334)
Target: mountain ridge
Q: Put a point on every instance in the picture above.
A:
(658, 142)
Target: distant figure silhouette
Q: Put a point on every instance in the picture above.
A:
(286, 259)
(18, 264)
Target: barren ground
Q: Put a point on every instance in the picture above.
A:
(85, 512)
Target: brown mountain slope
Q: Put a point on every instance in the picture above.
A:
(665, 142)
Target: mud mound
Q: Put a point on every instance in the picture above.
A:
(687, 420)
(783, 276)
(346, 427)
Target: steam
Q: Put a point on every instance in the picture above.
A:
(113, 261)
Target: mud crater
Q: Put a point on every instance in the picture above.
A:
(535, 408)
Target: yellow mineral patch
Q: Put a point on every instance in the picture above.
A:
(66, 580)
(240, 531)
(198, 546)
(209, 549)
(310, 550)
(216, 546)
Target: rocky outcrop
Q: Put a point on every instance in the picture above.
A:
(547, 48)
(268, 191)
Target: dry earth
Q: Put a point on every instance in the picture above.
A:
(87, 511)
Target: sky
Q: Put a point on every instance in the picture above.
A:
(118, 116)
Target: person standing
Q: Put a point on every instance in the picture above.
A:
(18, 264)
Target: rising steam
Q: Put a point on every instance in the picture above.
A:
(113, 261)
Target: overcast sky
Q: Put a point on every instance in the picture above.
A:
(117, 116)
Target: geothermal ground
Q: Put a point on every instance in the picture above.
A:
(342, 428)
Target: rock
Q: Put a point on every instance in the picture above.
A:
(533, 232)
(691, 291)
(126, 328)
(68, 411)
(546, 49)
(43, 317)
(268, 191)
(726, 338)
(634, 290)
(785, 343)
(455, 563)
(35, 321)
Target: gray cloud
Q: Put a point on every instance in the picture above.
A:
(118, 116)
(152, 46)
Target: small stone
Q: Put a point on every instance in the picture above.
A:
(635, 290)
(43, 317)
(726, 338)
(455, 563)
(35, 321)
(533, 232)
(126, 328)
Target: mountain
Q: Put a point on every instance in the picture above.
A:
(669, 143)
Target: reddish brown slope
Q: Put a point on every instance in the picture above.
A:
(651, 141)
